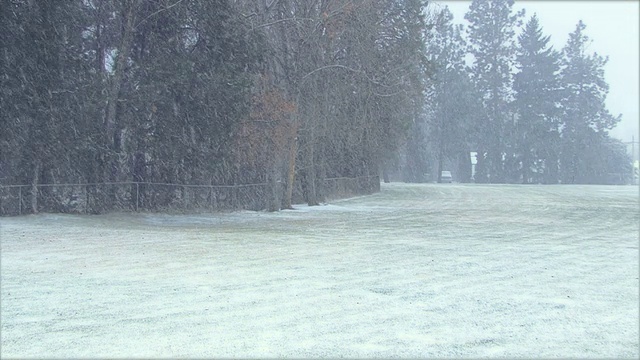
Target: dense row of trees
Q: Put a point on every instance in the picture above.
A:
(291, 92)
(533, 114)
(206, 91)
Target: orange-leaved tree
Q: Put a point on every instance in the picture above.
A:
(264, 138)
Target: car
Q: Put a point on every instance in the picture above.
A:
(446, 177)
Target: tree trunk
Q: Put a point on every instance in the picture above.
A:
(385, 174)
(312, 198)
(112, 140)
(291, 172)
(440, 160)
(274, 196)
(551, 169)
(121, 61)
(481, 168)
(464, 166)
(139, 170)
(525, 165)
(34, 187)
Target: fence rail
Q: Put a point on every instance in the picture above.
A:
(139, 196)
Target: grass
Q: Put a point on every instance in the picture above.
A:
(413, 271)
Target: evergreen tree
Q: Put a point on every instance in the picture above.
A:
(491, 38)
(605, 161)
(396, 110)
(583, 104)
(451, 96)
(44, 95)
(536, 97)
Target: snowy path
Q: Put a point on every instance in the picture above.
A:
(414, 271)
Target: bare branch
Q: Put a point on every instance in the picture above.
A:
(157, 12)
(280, 21)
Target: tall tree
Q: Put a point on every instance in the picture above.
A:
(536, 86)
(44, 95)
(583, 104)
(451, 101)
(353, 70)
(491, 38)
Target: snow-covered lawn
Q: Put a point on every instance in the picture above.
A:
(414, 271)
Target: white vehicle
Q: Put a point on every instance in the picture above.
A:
(446, 177)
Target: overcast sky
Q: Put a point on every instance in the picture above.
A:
(612, 27)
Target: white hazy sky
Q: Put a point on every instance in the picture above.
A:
(612, 27)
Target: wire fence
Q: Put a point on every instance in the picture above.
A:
(94, 198)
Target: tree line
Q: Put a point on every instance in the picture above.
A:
(529, 113)
(206, 91)
(290, 93)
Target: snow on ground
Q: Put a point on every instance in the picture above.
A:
(414, 271)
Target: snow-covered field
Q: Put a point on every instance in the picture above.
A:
(414, 271)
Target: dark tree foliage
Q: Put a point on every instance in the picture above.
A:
(46, 94)
(105, 91)
(542, 117)
(203, 92)
(354, 70)
(294, 95)
(491, 38)
(536, 86)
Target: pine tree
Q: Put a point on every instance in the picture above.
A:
(536, 96)
(491, 37)
(451, 101)
(583, 105)
(43, 96)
